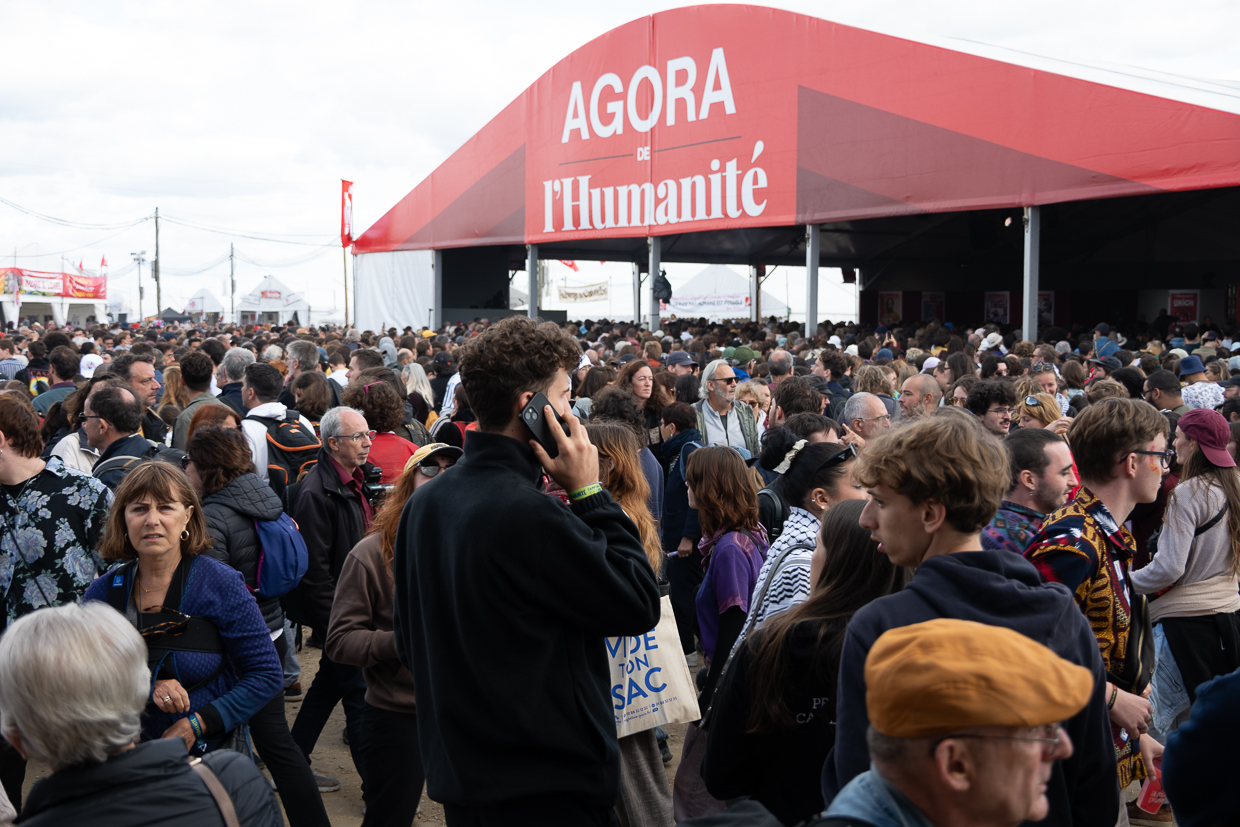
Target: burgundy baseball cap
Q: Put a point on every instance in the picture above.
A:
(1211, 432)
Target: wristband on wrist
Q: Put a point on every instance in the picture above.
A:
(198, 733)
(586, 491)
(1114, 696)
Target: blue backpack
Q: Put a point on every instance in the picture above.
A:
(282, 556)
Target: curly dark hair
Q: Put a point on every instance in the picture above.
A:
(619, 404)
(514, 356)
(383, 408)
(220, 455)
(988, 392)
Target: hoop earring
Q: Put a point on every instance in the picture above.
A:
(185, 534)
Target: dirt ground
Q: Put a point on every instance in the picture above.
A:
(331, 757)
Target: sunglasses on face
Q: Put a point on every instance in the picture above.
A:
(731, 380)
(432, 470)
(849, 452)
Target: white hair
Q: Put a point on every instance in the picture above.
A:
(708, 374)
(272, 353)
(854, 408)
(73, 683)
(331, 426)
(235, 362)
(416, 382)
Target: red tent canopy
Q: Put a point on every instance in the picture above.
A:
(734, 117)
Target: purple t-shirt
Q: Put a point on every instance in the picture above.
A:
(730, 578)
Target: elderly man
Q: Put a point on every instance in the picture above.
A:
(138, 371)
(229, 377)
(334, 513)
(98, 662)
(866, 416)
(964, 726)
(919, 396)
(720, 420)
(303, 357)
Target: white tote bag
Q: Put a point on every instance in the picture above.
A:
(650, 681)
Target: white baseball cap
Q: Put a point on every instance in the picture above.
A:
(88, 363)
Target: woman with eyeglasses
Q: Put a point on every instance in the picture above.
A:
(773, 722)
(1196, 613)
(213, 664)
(384, 412)
(219, 467)
(360, 633)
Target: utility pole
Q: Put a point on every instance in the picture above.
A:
(159, 298)
(139, 258)
(344, 255)
(232, 285)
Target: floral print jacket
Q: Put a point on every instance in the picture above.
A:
(49, 528)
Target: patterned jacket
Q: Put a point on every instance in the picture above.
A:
(48, 533)
(1082, 546)
(1013, 528)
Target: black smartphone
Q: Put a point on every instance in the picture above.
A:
(535, 418)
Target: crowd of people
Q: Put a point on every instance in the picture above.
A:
(919, 574)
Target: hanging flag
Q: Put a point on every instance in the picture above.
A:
(572, 265)
(103, 262)
(346, 213)
(81, 261)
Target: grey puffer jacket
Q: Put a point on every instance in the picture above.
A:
(230, 514)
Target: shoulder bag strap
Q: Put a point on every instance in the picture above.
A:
(222, 799)
(1212, 522)
(779, 561)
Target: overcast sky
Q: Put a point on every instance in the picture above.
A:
(245, 116)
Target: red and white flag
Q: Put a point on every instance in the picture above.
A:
(103, 262)
(346, 213)
(572, 265)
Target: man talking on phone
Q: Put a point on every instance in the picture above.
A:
(504, 595)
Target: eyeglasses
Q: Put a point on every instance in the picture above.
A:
(875, 418)
(955, 400)
(1053, 740)
(1042, 367)
(731, 380)
(1165, 457)
(360, 435)
(432, 470)
(89, 416)
(1032, 402)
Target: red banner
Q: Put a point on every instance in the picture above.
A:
(86, 287)
(346, 213)
(721, 117)
(63, 285)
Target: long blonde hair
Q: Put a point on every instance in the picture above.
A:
(623, 477)
(416, 382)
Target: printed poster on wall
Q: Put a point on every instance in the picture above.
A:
(1046, 308)
(998, 306)
(889, 307)
(1183, 305)
(933, 307)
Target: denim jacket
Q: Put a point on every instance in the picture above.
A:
(871, 798)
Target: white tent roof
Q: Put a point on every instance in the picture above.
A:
(204, 301)
(272, 296)
(721, 292)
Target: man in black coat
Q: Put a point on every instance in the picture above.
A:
(932, 486)
(333, 513)
(504, 596)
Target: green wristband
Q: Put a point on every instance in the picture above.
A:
(586, 491)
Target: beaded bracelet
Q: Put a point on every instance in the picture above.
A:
(586, 491)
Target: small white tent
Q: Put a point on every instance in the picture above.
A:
(271, 303)
(204, 306)
(722, 293)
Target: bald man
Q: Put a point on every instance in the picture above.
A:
(919, 395)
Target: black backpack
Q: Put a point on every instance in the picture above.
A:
(291, 449)
(159, 451)
(773, 499)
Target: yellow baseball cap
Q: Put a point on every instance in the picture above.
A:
(430, 450)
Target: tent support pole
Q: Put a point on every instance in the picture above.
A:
(436, 315)
(344, 260)
(811, 280)
(637, 294)
(656, 252)
(1033, 255)
(755, 293)
(531, 269)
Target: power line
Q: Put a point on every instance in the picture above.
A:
(64, 222)
(326, 248)
(75, 249)
(238, 234)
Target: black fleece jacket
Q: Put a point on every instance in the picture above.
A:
(503, 598)
(998, 588)
(230, 514)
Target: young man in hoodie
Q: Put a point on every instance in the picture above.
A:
(932, 486)
(503, 595)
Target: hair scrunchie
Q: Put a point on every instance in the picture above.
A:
(783, 467)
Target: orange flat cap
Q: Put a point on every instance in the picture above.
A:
(934, 678)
